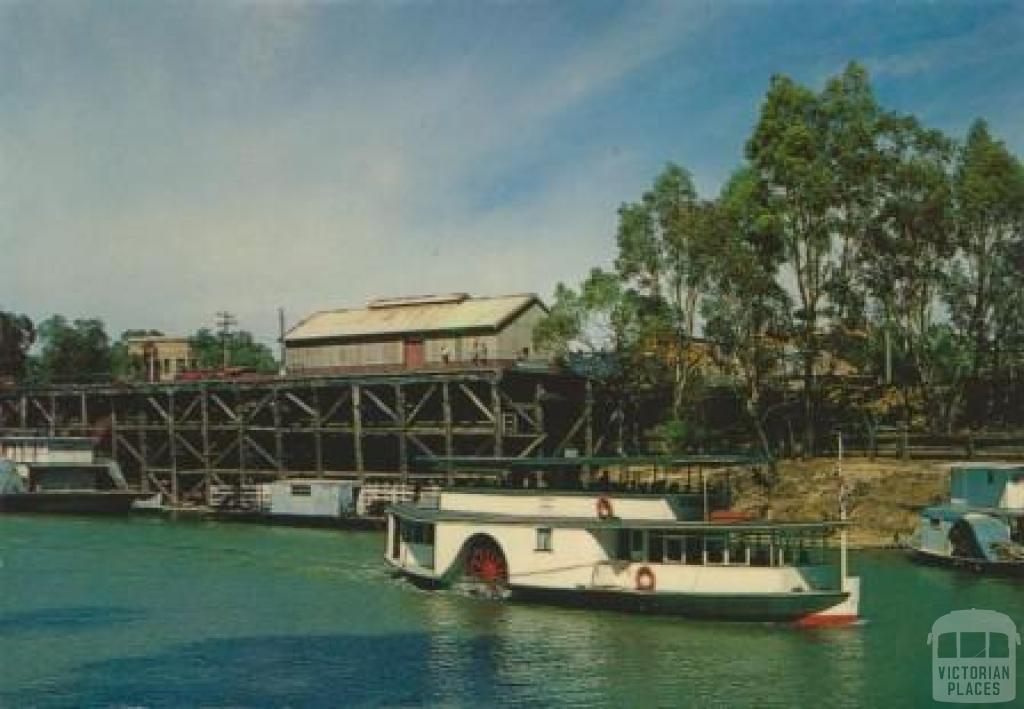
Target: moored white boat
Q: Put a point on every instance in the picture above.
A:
(658, 552)
(982, 527)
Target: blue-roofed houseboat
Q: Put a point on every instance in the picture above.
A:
(982, 526)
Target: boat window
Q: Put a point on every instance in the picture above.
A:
(674, 550)
(714, 549)
(544, 539)
(637, 550)
(417, 533)
(693, 546)
(395, 547)
(935, 522)
(760, 549)
(656, 547)
(622, 545)
(738, 550)
(302, 490)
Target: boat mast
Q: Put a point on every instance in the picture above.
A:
(842, 516)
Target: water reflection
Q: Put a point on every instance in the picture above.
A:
(578, 657)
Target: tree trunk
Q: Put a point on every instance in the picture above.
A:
(809, 428)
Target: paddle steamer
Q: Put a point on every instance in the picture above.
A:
(663, 546)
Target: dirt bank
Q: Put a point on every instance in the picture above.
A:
(885, 494)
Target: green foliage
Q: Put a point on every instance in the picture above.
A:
(16, 337)
(243, 351)
(854, 237)
(682, 436)
(75, 351)
(665, 255)
(989, 198)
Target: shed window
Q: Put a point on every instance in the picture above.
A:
(544, 539)
(302, 490)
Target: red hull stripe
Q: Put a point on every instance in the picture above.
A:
(821, 620)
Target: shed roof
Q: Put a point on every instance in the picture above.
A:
(420, 314)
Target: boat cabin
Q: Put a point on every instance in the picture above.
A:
(312, 498)
(47, 449)
(990, 485)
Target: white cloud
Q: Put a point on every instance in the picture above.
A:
(175, 168)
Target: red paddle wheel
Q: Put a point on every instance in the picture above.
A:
(485, 563)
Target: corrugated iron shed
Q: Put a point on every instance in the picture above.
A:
(413, 315)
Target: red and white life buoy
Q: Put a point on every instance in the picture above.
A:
(604, 508)
(645, 579)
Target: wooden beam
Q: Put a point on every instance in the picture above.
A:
(215, 398)
(204, 421)
(345, 396)
(131, 449)
(318, 441)
(384, 408)
(449, 444)
(172, 443)
(159, 409)
(525, 453)
(357, 429)
(422, 402)
(278, 435)
(262, 452)
(312, 413)
(499, 422)
(573, 430)
(403, 452)
(479, 404)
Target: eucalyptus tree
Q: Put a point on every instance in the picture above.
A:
(664, 251)
(1008, 335)
(588, 320)
(788, 153)
(747, 312)
(909, 244)
(989, 197)
(850, 122)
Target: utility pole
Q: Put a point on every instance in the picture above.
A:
(280, 341)
(225, 321)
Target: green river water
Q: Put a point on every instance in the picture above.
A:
(150, 612)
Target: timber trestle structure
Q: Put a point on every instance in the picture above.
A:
(180, 438)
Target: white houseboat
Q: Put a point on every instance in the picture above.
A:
(982, 527)
(663, 548)
(59, 474)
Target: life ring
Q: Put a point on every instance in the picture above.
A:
(604, 508)
(645, 579)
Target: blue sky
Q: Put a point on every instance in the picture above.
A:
(161, 161)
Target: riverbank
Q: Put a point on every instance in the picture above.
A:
(885, 494)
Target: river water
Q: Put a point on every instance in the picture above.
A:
(149, 612)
